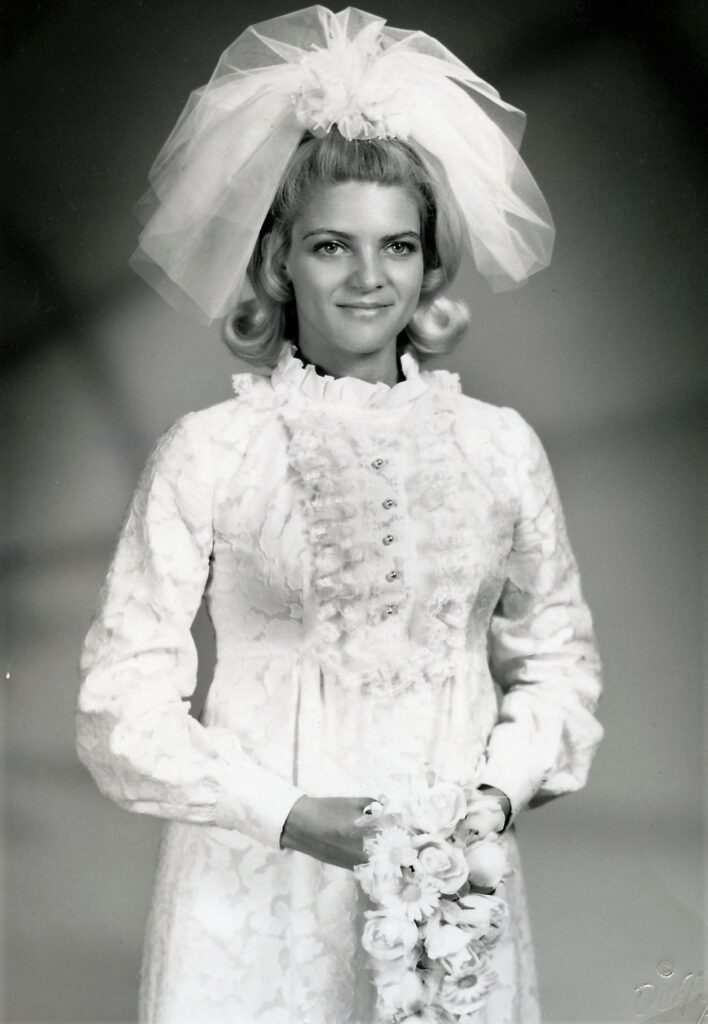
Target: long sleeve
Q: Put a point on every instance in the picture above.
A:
(542, 649)
(138, 665)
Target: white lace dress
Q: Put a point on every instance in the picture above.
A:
(373, 557)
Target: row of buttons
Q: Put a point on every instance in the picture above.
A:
(390, 609)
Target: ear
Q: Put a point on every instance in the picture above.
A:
(284, 267)
(279, 266)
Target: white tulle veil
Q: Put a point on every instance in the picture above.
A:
(213, 181)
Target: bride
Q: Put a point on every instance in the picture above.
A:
(376, 549)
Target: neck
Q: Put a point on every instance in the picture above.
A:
(376, 367)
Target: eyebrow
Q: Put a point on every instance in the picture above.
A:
(346, 235)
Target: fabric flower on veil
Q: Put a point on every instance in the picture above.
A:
(348, 86)
(214, 180)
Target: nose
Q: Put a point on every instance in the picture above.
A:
(368, 272)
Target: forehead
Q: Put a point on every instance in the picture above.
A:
(358, 207)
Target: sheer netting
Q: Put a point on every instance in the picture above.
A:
(213, 181)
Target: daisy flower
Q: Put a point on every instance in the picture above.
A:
(465, 990)
(416, 898)
(391, 850)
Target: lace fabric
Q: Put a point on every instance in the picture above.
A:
(374, 558)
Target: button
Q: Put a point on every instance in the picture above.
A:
(388, 539)
(390, 609)
(392, 575)
(388, 503)
(377, 463)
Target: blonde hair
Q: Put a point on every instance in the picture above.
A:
(257, 327)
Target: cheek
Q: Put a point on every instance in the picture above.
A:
(313, 284)
(409, 279)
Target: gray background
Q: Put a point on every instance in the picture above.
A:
(603, 353)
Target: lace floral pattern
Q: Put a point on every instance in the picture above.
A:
(373, 560)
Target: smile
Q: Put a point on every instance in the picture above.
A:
(364, 307)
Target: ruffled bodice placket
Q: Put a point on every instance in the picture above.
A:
(372, 624)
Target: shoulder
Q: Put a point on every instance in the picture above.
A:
(517, 429)
(504, 423)
(195, 448)
(213, 422)
(447, 387)
(507, 436)
(226, 426)
(497, 426)
(485, 412)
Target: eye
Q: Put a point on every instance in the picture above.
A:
(329, 248)
(401, 248)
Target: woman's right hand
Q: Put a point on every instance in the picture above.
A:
(323, 828)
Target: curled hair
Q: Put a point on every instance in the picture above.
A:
(257, 327)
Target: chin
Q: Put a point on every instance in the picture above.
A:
(364, 338)
(367, 341)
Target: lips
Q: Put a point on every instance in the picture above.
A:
(364, 305)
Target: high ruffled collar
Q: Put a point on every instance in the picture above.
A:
(291, 374)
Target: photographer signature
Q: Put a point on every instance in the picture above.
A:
(671, 995)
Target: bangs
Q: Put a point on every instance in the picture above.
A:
(334, 160)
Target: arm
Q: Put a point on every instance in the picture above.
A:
(542, 649)
(133, 728)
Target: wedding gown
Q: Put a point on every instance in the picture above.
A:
(373, 558)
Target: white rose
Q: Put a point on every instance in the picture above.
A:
(437, 808)
(484, 917)
(475, 911)
(443, 940)
(377, 884)
(456, 962)
(400, 992)
(444, 864)
(485, 815)
(388, 936)
(487, 863)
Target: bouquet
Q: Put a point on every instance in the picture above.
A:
(434, 865)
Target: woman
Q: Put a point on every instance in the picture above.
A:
(375, 548)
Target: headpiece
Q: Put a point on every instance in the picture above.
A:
(215, 178)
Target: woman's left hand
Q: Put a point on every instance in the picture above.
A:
(504, 801)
